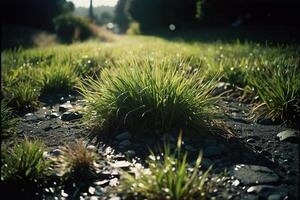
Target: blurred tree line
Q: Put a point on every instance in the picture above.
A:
(159, 14)
(34, 13)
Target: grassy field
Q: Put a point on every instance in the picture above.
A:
(145, 84)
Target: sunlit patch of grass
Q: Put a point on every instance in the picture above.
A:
(24, 163)
(278, 89)
(9, 122)
(169, 176)
(150, 95)
(76, 162)
(58, 79)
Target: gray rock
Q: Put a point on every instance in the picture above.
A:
(91, 148)
(65, 107)
(102, 183)
(253, 174)
(123, 136)
(125, 143)
(212, 151)
(68, 116)
(269, 191)
(289, 135)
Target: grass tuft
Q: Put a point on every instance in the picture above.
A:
(149, 95)
(278, 89)
(8, 121)
(169, 176)
(76, 162)
(24, 163)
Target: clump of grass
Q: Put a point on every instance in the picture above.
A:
(278, 89)
(23, 96)
(149, 95)
(58, 79)
(170, 177)
(76, 162)
(9, 122)
(24, 163)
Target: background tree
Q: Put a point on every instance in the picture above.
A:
(122, 16)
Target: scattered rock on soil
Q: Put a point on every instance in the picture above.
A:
(65, 107)
(253, 174)
(269, 191)
(68, 116)
(288, 135)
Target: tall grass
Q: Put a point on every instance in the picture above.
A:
(149, 95)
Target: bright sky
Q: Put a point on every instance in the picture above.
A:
(86, 3)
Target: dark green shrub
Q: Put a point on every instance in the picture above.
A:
(72, 28)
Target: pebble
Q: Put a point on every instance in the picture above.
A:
(56, 152)
(91, 190)
(288, 135)
(121, 164)
(65, 107)
(68, 116)
(251, 140)
(123, 136)
(114, 182)
(54, 115)
(253, 174)
(102, 183)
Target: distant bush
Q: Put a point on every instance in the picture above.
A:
(72, 28)
(134, 29)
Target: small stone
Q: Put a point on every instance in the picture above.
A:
(91, 190)
(251, 140)
(268, 191)
(56, 152)
(94, 198)
(221, 88)
(123, 136)
(236, 183)
(54, 115)
(253, 174)
(69, 116)
(114, 182)
(91, 148)
(115, 198)
(65, 107)
(125, 143)
(63, 194)
(102, 183)
(121, 164)
(289, 135)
